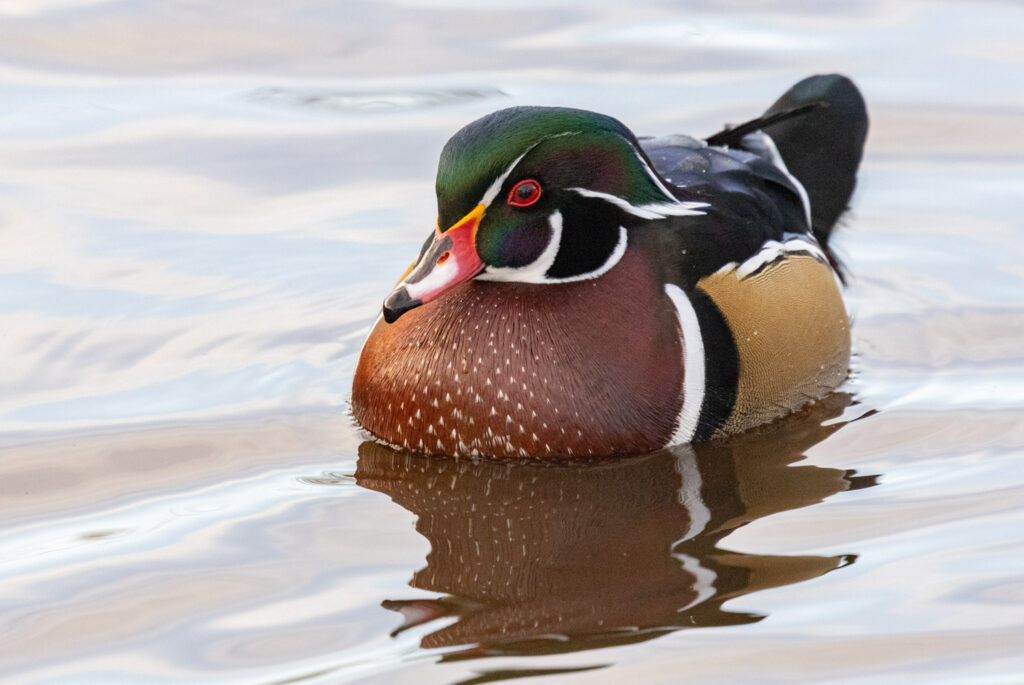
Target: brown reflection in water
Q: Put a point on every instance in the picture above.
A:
(547, 558)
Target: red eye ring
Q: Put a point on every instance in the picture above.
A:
(524, 193)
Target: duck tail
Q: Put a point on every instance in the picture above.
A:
(822, 148)
(819, 127)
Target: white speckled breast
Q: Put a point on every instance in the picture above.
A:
(521, 370)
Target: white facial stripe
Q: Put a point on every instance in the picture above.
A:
(495, 188)
(492, 191)
(438, 278)
(613, 259)
(533, 272)
(762, 142)
(536, 271)
(657, 210)
(693, 366)
(675, 208)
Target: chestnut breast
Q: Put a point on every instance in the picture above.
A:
(514, 369)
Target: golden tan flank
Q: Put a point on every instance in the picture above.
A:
(792, 336)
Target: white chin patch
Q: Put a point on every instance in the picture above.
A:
(536, 271)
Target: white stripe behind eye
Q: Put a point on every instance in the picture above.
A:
(657, 210)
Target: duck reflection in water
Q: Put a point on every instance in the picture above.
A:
(547, 558)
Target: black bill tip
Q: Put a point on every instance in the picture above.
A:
(398, 303)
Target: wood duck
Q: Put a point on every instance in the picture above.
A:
(589, 293)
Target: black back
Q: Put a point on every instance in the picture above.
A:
(818, 128)
(823, 147)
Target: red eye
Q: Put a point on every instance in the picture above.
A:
(524, 193)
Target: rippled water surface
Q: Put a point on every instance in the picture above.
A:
(201, 208)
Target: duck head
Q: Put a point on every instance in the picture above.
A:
(534, 195)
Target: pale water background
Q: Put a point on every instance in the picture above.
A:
(201, 208)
